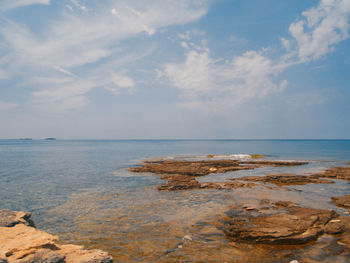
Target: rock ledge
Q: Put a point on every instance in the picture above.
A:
(21, 242)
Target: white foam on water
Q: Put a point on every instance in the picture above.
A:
(194, 157)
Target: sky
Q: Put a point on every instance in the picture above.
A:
(185, 69)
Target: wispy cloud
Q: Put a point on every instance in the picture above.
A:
(10, 4)
(84, 39)
(86, 47)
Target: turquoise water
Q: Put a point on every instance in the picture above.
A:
(69, 184)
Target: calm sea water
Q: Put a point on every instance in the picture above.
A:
(60, 181)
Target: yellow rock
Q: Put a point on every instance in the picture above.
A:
(256, 156)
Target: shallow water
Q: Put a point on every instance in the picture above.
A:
(81, 191)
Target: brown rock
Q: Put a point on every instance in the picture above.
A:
(189, 168)
(275, 163)
(342, 201)
(200, 168)
(335, 226)
(345, 241)
(179, 182)
(11, 218)
(285, 179)
(340, 173)
(180, 174)
(227, 185)
(293, 225)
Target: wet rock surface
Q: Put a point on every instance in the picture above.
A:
(339, 173)
(21, 242)
(285, 179)
(283, 223)
(190, 168)
(201, 168)
(342, 201)
(183, 182)
(180, 174)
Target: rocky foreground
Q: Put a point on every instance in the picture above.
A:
(285, 223)
(21, 242)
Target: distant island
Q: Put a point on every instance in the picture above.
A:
(26, 139)
(50, 139)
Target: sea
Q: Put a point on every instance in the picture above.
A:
(82, 191)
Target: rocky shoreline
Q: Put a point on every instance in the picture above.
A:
(274, 223)
(263, 225)
(21, 242)
(181, 175)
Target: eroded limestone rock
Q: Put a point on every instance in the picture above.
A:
(180, 174)
(342, 201)
(285, 179)
(340, 173)
(285, 224)
(11, 218)
(20, 242)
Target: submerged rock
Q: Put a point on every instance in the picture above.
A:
(179, 182)
(21, 242)
(183, 182)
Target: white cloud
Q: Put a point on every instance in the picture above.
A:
(80, 6)
(63, 96)
(84, 39)
(320, 29)
(202, 80)
(205, 82)
(10, 4)
(7, 105)
(60, 69)
(123, 81)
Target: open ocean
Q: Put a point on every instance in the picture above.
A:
(81, 190)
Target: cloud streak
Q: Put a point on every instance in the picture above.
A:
(10, 4)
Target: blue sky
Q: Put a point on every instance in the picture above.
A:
(122, 69)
